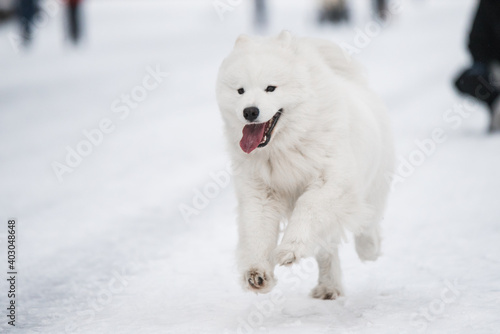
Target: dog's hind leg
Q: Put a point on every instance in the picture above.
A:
(368, 243)
(330, 276)
(368, 240)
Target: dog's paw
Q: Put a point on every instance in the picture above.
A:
(258, 280)
(288, 253)
(322, 291)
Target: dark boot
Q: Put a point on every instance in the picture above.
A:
(477, 82)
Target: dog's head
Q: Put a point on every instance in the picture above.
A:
(258, 86)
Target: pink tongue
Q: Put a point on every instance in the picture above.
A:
(252, 136)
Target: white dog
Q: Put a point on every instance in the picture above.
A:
(313, 148)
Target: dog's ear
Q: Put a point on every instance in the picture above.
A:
(285, 37)
(242, 40)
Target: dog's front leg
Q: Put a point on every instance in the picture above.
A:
(316, 222)
(259, 218)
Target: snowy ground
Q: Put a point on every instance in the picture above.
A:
(106, 250)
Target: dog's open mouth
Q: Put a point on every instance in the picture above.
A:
(258, 135)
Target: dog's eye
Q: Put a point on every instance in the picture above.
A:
(241, 91)
(270, 89)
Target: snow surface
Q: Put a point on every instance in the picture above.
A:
(107, 250)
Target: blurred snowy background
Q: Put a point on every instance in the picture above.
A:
(110, 148)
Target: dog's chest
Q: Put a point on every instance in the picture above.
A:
(288, 174)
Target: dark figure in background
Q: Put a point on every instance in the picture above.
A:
(484, 46)
(260, 14)
(381, 9)
(7, 10)
(74, 21)
(27, 11)
(334, 11)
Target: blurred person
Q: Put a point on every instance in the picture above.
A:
(260, 14)
(7, 10)
(337, 10)
(26, 11)
(334, 11)
(74, 20)
(381, 9)
(484, 46)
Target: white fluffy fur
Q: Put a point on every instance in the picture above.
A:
(325, 169)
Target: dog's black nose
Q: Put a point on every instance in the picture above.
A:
(251, 113)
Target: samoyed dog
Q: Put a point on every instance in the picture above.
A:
(312, 149)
